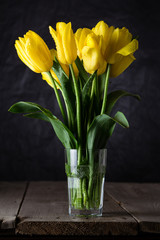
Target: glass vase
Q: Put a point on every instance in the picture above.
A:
(85, 171)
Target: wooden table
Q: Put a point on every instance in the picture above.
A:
(39, 210)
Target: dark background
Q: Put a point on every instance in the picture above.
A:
(29, 149)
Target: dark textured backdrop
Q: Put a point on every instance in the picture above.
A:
(29, 150)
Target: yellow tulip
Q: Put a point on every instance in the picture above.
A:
(65, 42)
(33, 51)
(102, 29)
(91, 54)
(122, 47)
(80, 36)
(121, 44)
(117, 47)
(89, 47)
(93, 60)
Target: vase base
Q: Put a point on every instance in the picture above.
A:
(85, 212)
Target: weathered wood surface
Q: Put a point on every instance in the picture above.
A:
(130, 209)
(142, 201)
(45, 212)
(11, 195)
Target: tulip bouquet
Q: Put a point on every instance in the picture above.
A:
(79, 70)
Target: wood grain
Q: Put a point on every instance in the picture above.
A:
(11, 195)
(45, 212)
(142, 201)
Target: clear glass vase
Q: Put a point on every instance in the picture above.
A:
(85, 171)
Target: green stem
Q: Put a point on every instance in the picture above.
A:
(97, 191)
(58, 98)
(68, 113)
(105, 90)
(91, 112)
(79, 196)
(84, 191)
(78, 113)
(93, 89)
(96, 87)
(91, 172)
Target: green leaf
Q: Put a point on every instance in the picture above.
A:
(101, 129)
(84, 75)
(121, 119)
(63, 133)
(36, 111)
(99, 132)
(28, 107)
(38, 115)
(101, 82)
(113, 97)
(86, 89)
(67, 87)
(23, 107)
(58, 67)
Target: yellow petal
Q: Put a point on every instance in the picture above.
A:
(58, 41)
(90, 59)
(92, 40)
(69, 44)
(84, 34)
(80, 36)
(39, 41)
(23, 56)
(129, 48)
(46, 77)
(102, 67)
(125, 51)
(106, 41)
(53, 53)
(102, 29)
(60, 28)
(125, 37)
(39, 53)
(113, 46)
(53, 33)
(119, 67)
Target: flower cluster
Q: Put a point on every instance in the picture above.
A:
(96, 47)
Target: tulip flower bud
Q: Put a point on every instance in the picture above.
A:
(80, 36)
(91, 54)
(33, 51)
(65, 42)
